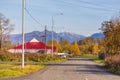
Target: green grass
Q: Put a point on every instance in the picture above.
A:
(16, 70)
(86, 56)
(2, 66)
(114, 70)
(99, 60)
(59, 60)
(94, 58)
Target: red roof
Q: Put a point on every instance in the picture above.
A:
(35, 45)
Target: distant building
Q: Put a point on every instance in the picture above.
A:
(34, 46)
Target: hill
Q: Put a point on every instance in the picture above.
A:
(97, 36)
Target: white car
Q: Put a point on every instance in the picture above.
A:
(61, 54)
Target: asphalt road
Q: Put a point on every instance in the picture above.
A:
(73, 69)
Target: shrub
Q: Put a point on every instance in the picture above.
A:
(101, 56)
(6, 57)
(113, 63)
(36, 57)
(10, 57)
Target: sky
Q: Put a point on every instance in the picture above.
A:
(82, 17)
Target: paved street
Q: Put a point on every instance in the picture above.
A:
(73, 69)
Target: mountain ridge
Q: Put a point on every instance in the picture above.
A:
(71, 37)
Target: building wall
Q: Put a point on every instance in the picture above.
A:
(28, 50)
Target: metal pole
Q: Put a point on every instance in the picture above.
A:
(45, 40)
(52, 29)
(52, 33)
(57, 44)
(22, 33)
(1, 39)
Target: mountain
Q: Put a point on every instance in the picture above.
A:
(97, 35)
(70, 36)
(17, 38)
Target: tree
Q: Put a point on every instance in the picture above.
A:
(60, 48)
(95, 49)
(57, 45)
(111, 30)
(86, 45)
(76, 49)
(101, 44)
(5, 29)
(65, 45)
(50, 43)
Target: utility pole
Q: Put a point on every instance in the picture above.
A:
(1, 36)
(45, 39)
(23, 34)
(52, 34)
(57, 43)
(52, 29)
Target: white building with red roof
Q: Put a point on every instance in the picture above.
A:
(34, 46)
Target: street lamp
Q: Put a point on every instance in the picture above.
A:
(52, 28)
(23, 33)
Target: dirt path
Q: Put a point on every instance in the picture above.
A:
(74, 69)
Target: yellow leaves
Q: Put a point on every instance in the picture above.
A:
(50, 43)
(76, 49)
(111, 31)
(59, 47)
(95, 49)
(65, 46)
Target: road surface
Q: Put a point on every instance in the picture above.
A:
(73, 69)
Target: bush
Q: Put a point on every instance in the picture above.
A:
(113, 63)
(101, 56)
(9, 57)
(36, 57)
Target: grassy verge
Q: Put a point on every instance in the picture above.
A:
(12, 70)
(94, 58)
(114, 70)
(97, 60)
(3, 66)
(59, 60)
(86, 56)
(17, 70)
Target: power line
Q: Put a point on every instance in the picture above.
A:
(32, 17)
(98, 5)
(98, 8)
(27, 11)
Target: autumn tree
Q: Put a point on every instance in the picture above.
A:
(56, 44)
(76, 49)
(59, 48)
(65, 45)
(95, 49)
(49, 43)
(111, 30)
(5, 29)
(86, 45)
(101, 44)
